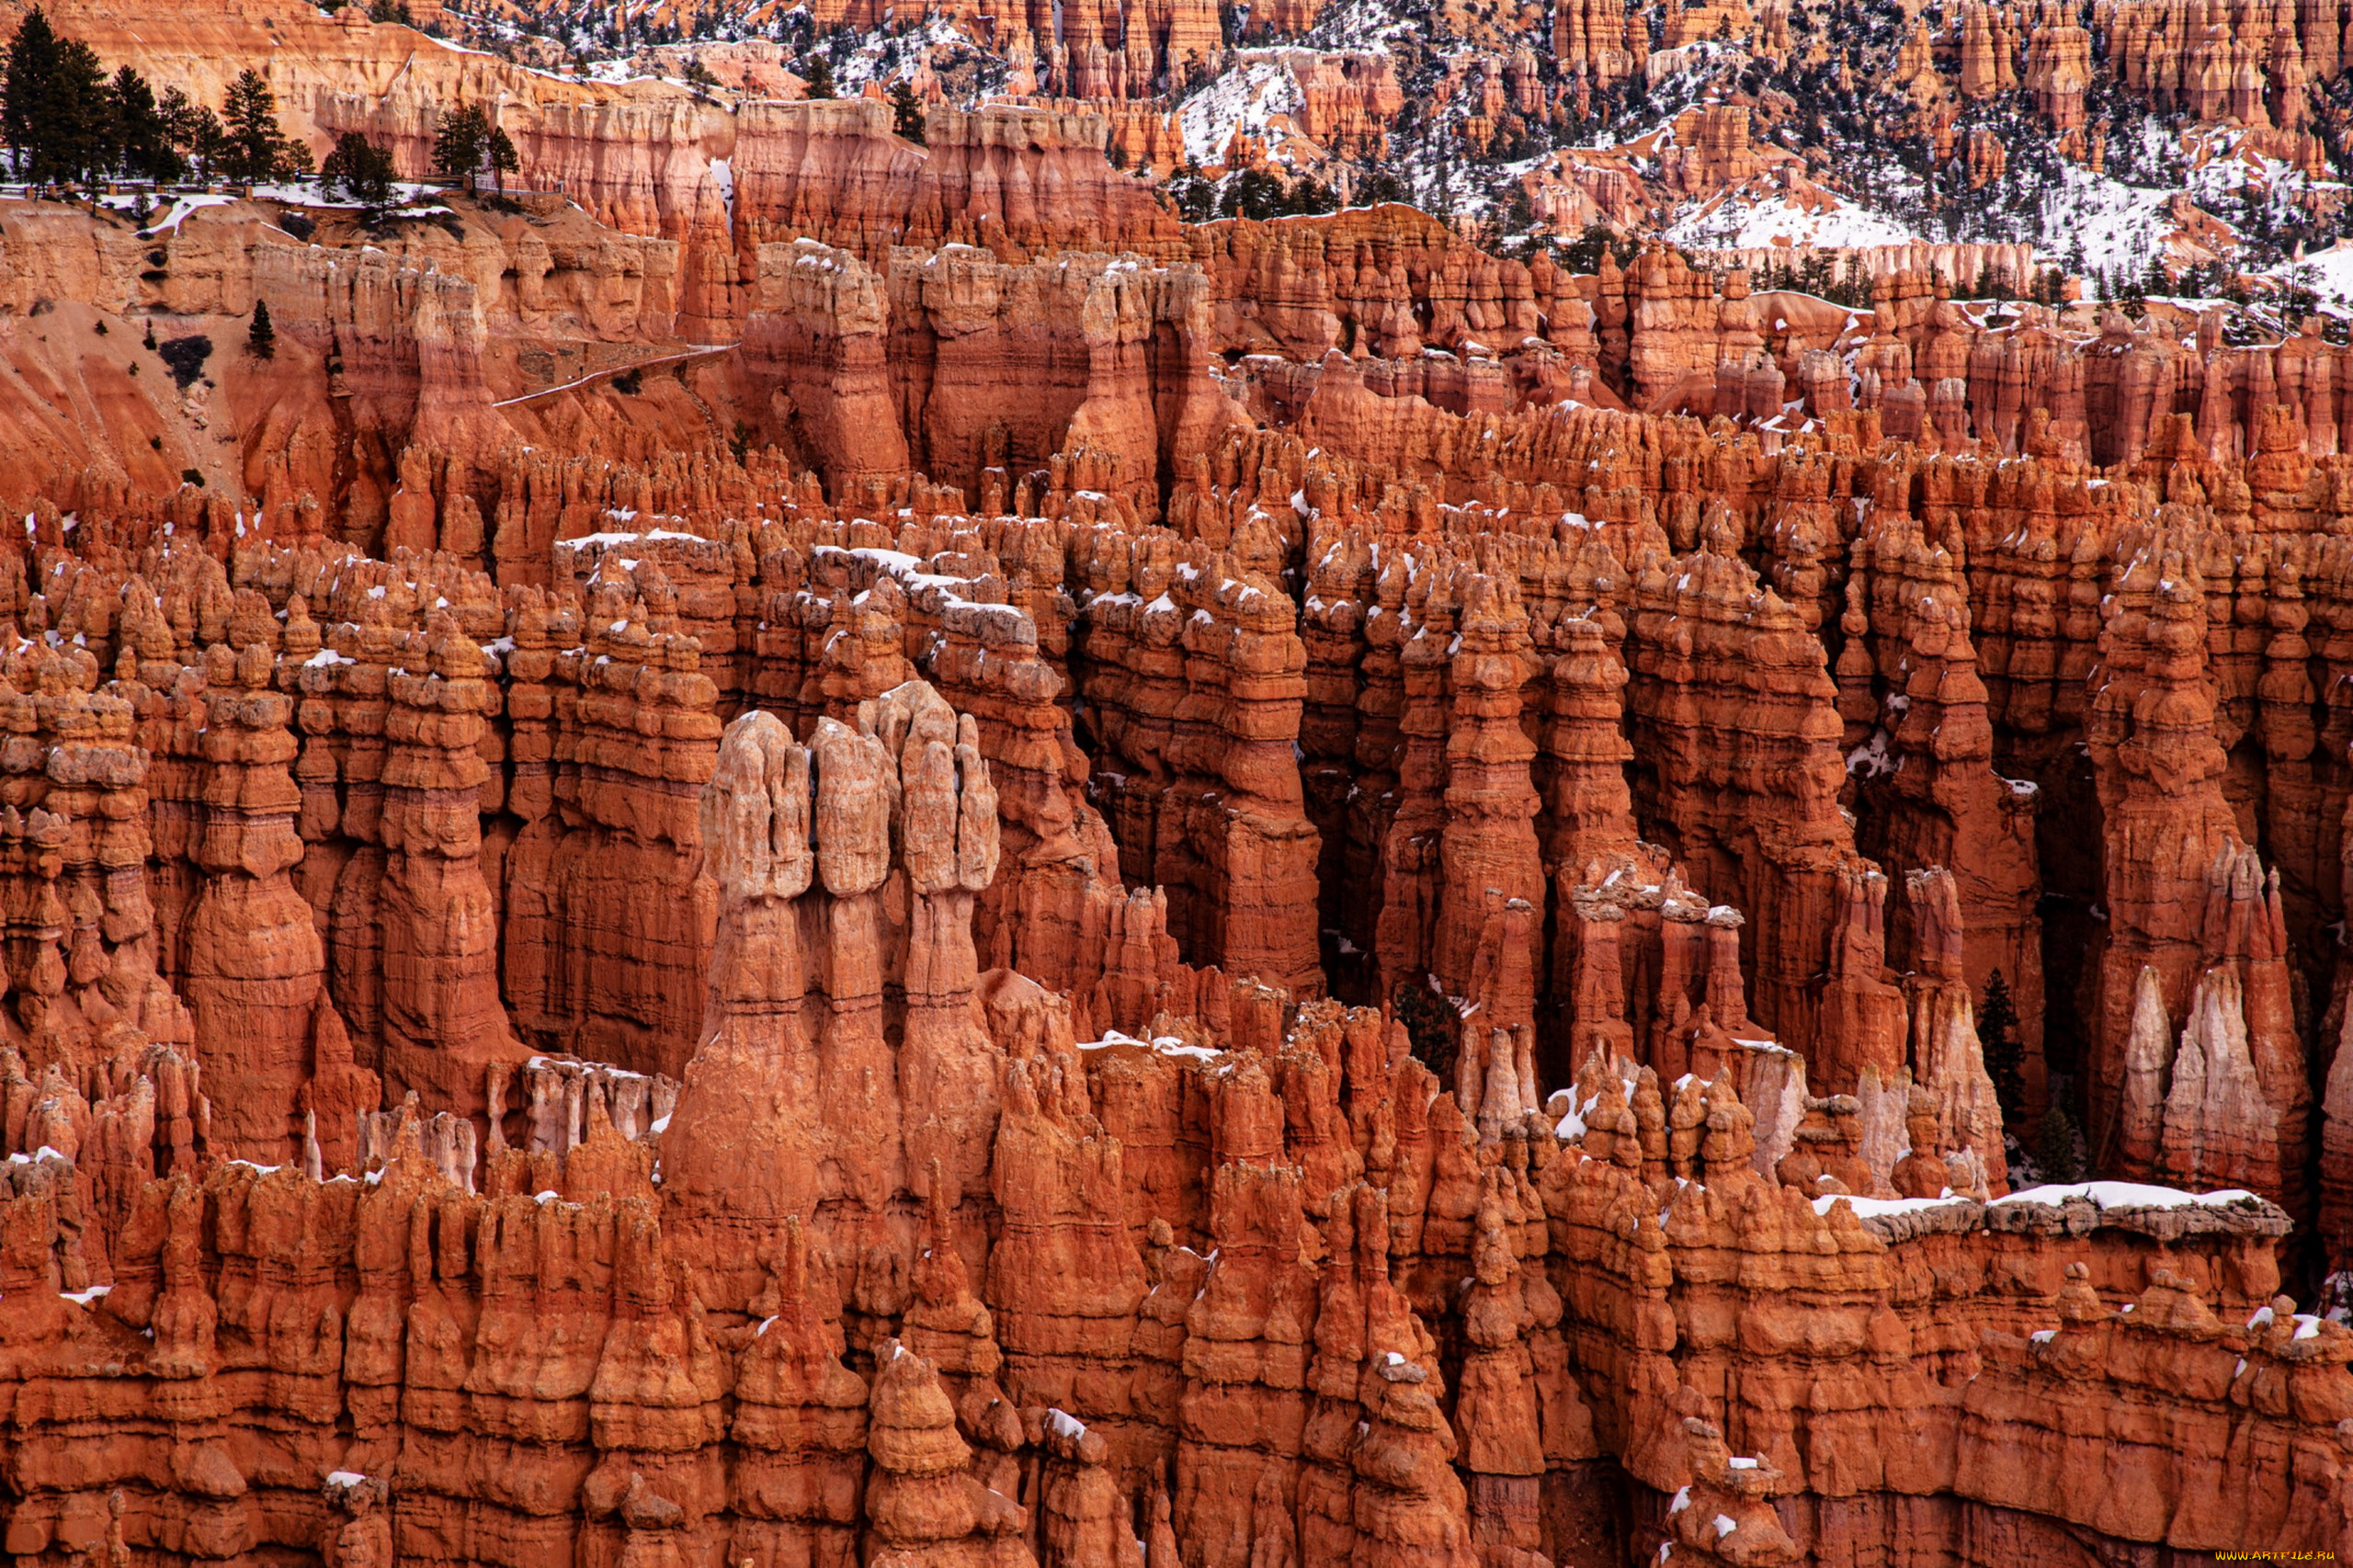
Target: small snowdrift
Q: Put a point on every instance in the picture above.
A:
(1738, 223)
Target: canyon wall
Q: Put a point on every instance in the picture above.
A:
(1130, 893)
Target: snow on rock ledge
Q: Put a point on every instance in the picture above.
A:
(1898, 1220)
(2163, 1213)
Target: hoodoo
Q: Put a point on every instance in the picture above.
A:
(1175, 788)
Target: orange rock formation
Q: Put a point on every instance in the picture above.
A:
(1266, 893)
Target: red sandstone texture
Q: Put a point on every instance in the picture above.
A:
(1712, 122)
(968, 932)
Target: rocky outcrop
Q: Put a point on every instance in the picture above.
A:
(907, 1262)
(602, 898)
(1006, 178)
(839, 1056)
(255, 967)
(2157, 764)
(978, 372)
(1031, 974)
(1197, 675)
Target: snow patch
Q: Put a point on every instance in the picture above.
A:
(1247, 99)
(1166, 1045)
(1734, 224)
(2131, 1195)
(722, 174)
(184, 205)
(1872, 1208)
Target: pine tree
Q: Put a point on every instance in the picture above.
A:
(1308, 196)
(906, 112)
(499, 151)
(1519, 213)
(54, 110)
(457, 140)
(261, 338)
(819, 77)
(25, 99)
(193, 131)
(179, 117)
(143, 140)
(1997, 1021)
(252, 147)
(360, 169)
(81, 113)
(1192, 196)
(2060, 1162)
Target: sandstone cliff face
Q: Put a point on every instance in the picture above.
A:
(858, 1007)
(975, 371)
(411, 334)
(1197, 680)
(404, 1322)
(916, 941)
(1012, 179)
(1659, 335)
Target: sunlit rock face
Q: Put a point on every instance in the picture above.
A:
(883, 859)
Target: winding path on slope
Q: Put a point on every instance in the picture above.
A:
(692, 355)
